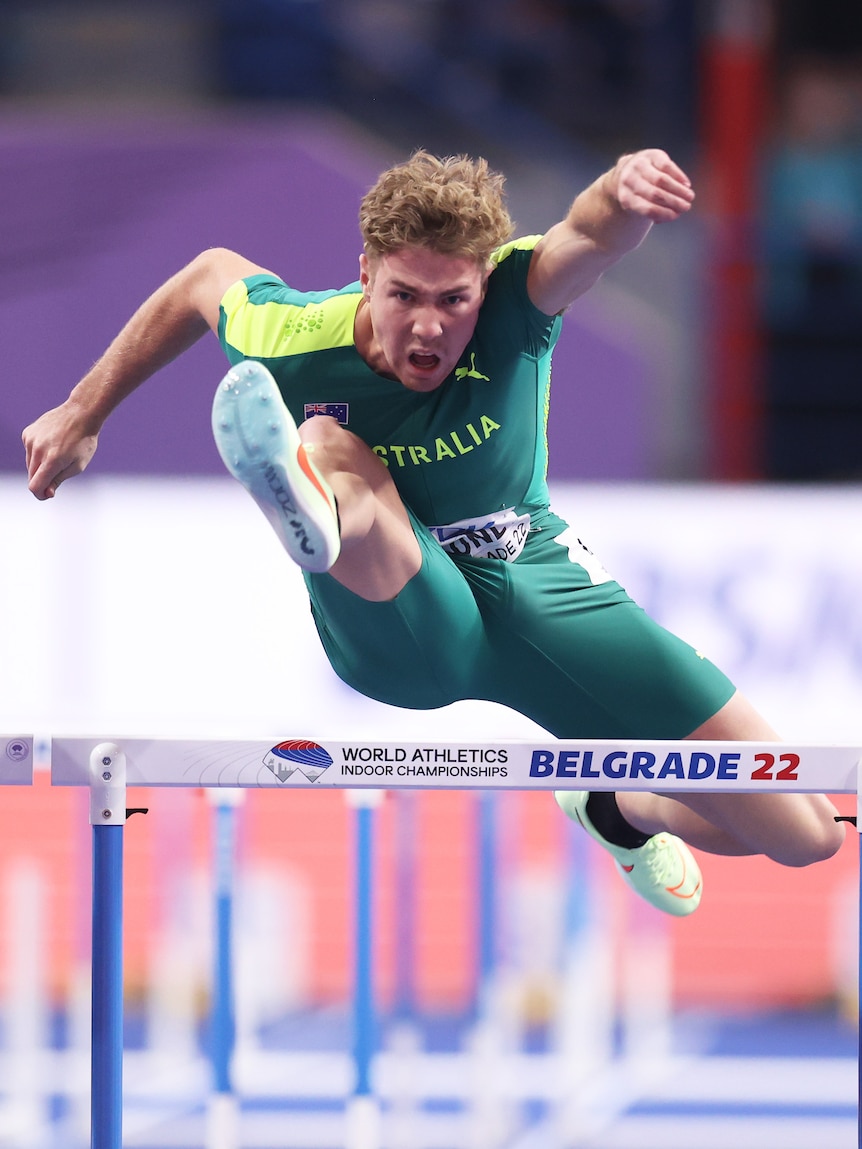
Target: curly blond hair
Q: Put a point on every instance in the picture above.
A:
(454, 205)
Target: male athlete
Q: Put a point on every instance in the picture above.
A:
(393, 433)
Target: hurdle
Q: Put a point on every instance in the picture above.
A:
(364, 769)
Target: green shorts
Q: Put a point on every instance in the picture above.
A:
(549, 635)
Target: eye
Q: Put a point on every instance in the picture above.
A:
(453, 300)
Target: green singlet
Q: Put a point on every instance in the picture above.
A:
(508, 605)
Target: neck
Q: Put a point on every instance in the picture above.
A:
(366, 343)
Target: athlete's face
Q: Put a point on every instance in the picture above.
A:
(423, 308)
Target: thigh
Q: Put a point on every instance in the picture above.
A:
(584, 660)
(423, 649)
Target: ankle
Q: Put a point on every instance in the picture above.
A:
(604, 813)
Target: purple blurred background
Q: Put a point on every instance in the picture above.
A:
(728, 348)
(97, 214)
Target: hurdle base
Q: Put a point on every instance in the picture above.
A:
(222, 1122)
(362, 1123)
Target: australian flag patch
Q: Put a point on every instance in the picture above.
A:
(337, 411)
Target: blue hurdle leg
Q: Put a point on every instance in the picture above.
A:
(107, 975)
(107, 817)
(363, 1114)
(223, 1114)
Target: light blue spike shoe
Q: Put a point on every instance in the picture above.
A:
(260, 446)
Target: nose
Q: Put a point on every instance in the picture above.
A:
(427, 323)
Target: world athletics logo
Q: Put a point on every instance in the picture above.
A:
(309, 758)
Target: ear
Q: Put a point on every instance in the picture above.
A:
(365, 275)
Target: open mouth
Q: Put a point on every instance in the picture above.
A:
(423, 362)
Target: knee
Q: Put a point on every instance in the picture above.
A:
(334, 448)
(820, 842)
(322, 431)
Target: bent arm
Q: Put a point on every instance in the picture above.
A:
(608, 219)
(60, 443)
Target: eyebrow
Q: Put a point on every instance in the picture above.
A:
(403, 285)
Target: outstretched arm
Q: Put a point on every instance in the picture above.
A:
(61, 442)
(611, 217)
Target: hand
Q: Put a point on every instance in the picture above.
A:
(57, 447)
(651, 185)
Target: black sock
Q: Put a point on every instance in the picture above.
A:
(604, 813)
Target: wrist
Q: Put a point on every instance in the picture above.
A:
(82, 411)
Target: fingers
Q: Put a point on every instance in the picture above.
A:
(39, 482)
(45, 479)
(44, 486)
(652, 185)
(35, 483)
(42, 482)
(53, 454)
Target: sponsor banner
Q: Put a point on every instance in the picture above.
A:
(764, 580)
(517, 765)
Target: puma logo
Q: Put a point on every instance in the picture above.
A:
(470, 372)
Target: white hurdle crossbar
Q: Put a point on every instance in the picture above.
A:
(107, 766)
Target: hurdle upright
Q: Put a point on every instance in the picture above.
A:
(365, 768)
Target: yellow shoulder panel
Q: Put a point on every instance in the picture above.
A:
(272, 329)
(525, 243)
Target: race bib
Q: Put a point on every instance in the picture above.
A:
(498, 536)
